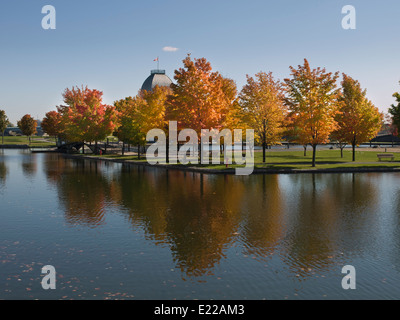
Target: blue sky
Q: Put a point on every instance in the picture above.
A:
(111, 45)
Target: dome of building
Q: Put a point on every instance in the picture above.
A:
(156, 78)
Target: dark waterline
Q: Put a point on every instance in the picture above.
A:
(123, 232)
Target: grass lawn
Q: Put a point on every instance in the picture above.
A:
(326, 159)
(42, 142)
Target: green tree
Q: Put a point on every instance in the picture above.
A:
(3, 123)
(28, 126)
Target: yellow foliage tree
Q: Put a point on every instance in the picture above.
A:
(263, 109)
(358, 119)
(312, 102)
(140, 114)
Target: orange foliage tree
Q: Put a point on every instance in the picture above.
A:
(84, 117)
(312, 102)
(51, 124)
(294, 134)
(200, 98)
(28, 126)
(358, 119)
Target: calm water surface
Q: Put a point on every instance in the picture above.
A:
(122, 232)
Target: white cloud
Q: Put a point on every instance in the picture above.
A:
(170, 49)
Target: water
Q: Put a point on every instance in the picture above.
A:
(123, 232)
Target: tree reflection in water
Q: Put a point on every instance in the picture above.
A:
(3, 171)
(303, 220)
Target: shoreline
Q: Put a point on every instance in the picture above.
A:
(26, 146)
(14, 146)
(232, 171)
(229, 171)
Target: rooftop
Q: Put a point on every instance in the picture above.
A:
(157, 78)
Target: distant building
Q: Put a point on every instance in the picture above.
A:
(15, 131)
(388, 138)
(12, 131)
(156, 78)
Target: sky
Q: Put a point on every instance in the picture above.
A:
(111, 45)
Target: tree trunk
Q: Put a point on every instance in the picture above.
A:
(166, 127)
(264, 140)
(200, 152)
(314, 147)
(341, 151)
(167, 151)
(83, 147)
(123, 148)
(138, 152)
(305, 150)
(354, 151)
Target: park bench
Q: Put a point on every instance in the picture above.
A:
(385, 155)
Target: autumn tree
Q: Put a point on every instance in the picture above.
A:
(51, 124)
(140, 114)
(152, 107)
(129, 129)
(4, 122)
(200, 98)
(28, 126)
(339, 137)
(232, 118)
(85, 118)
(358, 119)
(395, 111)
(294, 134)
(311, 98)
(389, 126)
(263, 109)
